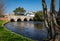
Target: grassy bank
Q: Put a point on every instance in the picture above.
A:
(6, 35)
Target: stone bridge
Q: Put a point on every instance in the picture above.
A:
(20, 18)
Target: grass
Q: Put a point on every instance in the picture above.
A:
(6, 35)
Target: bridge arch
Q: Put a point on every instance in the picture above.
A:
(12, 20)
(30, 19)
(25, 19)
(18, 20)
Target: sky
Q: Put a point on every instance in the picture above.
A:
(28, 5)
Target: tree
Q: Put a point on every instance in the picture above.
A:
(19, 11)
(38, 16)
(1, 8)
(52, 24)
(57, 27)
(52, 14)
(58, 14)
(47, 20)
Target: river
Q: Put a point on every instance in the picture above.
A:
(32, 30)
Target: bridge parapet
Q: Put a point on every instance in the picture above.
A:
(15, 18)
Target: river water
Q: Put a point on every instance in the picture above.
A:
(32, 30)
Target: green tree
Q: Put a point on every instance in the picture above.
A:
(38, 16)
(19, 11)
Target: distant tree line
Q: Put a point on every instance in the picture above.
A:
(19, 11)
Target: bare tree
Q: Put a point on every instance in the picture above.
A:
(59, 9)
(1, 8)
(47, 20)
(52, 13)
(50, 20)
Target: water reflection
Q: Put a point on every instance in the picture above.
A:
(38, 26)
(33, 30)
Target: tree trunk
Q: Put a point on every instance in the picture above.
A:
(47, 19)
(54, 23)
(50, 20)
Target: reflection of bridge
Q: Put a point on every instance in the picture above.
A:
(20, 18)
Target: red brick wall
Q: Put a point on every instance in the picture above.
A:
(3, 18)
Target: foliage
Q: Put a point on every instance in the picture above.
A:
(19, 10)
(38, 16)
(6, 35)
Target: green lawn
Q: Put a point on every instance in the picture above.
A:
(6, 35)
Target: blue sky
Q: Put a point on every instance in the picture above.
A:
(28, 5)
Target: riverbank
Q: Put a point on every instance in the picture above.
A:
(6, 35)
